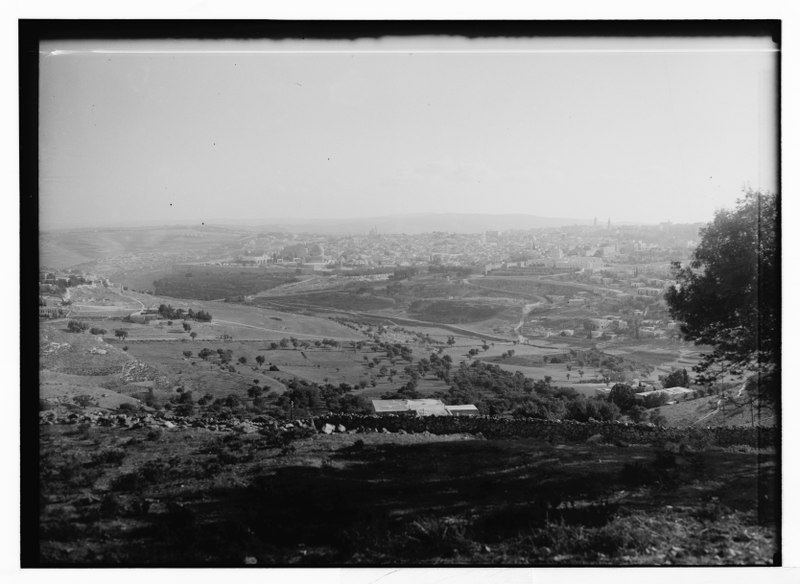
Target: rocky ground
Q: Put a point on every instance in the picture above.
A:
(145, 489)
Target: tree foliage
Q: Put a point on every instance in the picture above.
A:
(76, 326)
(728, 297)
(623, 396)
(676, 378)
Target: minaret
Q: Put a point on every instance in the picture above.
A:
(609, 223)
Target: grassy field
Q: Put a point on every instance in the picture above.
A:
(143, 496)
(331, 299)
(455, 311)
(199, 498)
(209, 283)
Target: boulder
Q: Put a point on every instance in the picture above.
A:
(341, 428)
(328, 428)
(594, 439)
(168, 424)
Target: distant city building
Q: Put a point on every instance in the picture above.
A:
(260, 260)
(50, 312)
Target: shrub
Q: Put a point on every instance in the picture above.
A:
(151, 472)
(637, 414)
(185, 409)
(113, 456)
(98, 331)
(438, 536)
(155, 434)
(84, 401)
(654, 400)
(127, 407)
(677, 378)
(657, 418)
(584, 410)
(75, 326)
(623, 396)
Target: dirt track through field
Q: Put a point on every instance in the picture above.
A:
(261, 328)
(394, 320)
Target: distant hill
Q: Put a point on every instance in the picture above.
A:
(60, 248)
(68, 247)
(420, 223)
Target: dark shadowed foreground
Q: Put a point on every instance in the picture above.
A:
(194, 497)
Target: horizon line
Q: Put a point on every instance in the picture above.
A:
(305, 223)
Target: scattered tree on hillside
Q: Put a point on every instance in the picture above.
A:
(623, 396)
(260, 360)
(637, 414)
(121, 333)
(657, 418)
(193, 335)
(677, 378)
(75, 326)
(728, 296)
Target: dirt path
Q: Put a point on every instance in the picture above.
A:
(394, 320)
(261, 328)
(546, 280)
(529, 296)
(139, 302)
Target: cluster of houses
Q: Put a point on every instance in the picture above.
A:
(51, 312)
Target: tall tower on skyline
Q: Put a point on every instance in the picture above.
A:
(609, 223)
(595, 220)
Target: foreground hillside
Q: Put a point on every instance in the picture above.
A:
(151, 493)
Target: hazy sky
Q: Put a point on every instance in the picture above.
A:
(643, 130)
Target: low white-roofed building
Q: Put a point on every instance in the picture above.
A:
(418, 407)
(463, 410)
(669, 391)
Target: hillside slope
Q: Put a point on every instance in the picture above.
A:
(702, 412)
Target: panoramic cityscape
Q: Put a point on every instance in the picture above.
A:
(397, 302)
